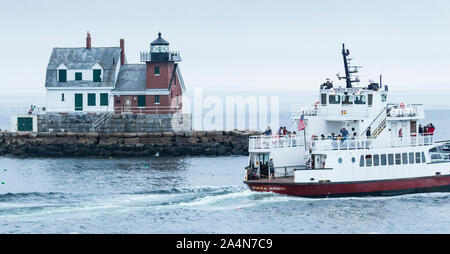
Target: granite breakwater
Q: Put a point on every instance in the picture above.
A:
(124, 144)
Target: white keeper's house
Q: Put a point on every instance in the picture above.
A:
(81, 79)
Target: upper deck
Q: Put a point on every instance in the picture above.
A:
(263, 143)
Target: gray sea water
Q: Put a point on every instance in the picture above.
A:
(193, 195)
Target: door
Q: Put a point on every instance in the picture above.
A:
(25, 124)
(128, 102)
(78, 102)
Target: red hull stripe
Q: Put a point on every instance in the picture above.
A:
(363, 188)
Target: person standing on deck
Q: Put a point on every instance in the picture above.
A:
(368, 134)
(271, 169)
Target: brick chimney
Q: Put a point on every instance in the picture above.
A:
(122, 52)
(88, 41)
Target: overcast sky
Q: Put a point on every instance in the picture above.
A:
(253, 45)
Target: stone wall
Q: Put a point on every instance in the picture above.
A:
(122, 123)
(125, 144)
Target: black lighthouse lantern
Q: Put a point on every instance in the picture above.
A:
(159, 50)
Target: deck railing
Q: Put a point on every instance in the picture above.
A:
(264, 142)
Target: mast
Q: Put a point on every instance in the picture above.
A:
(345, 53)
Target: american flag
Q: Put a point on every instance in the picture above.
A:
(301, 124)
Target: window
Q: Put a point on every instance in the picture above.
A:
(62, 97)
(383, 160)
(347, 99)
(335, 99)
(360, 99)
(91, 99)
(103, 99)
(361, 161)
(156, 70)
(353, 160)
(376, 159)
(340, 160)
(417, 157)
(156, 99)
(383, 97)
(368, 160)
(398, 159)
(404, 158)
(423, 158)
(78, 76)
(62, 74)
(370, 100)
(323, 98)
(411, 158)
(141, 101)
(97, 75)
(391, 159)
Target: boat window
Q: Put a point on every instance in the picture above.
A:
(347, 99)
(361, 161)
(417, 157)
(423, 158)
(323, 98)
(370, 99)
(404, 158)
(335, 99)
(383, 97)
(376, 159)
(411, 158)
(368, 160)
(360, 99)
(391, 159)
(383, 160)
(398, 159)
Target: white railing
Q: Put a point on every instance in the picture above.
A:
(264, 142)
(272, 142)
(367, 143)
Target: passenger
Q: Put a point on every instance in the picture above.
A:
(322, 137)
(420, 130)
(368, 134)
(268, 131)
(354, 136)
(344, 133)
(430, 129)
(284, 131)
(333, 136)
(280, 131)
(272, 169)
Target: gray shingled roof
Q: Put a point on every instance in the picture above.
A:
(82, 58)
(131, 77)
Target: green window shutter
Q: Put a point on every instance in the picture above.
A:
(91, 99)
(103, 99)
(78, 76)
(62, 75)
(156, 70)
(97, 75)
(141, 100)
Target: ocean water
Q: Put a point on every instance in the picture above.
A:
(188, 195)
(192, 195)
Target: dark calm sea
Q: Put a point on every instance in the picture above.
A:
(193, 195)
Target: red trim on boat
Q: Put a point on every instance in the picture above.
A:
(363, 188)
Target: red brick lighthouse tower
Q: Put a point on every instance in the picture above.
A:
(163, 76)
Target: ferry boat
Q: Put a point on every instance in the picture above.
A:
(382, 151)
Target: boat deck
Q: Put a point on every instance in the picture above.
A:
(286, 179)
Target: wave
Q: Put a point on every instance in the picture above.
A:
(14, 196)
